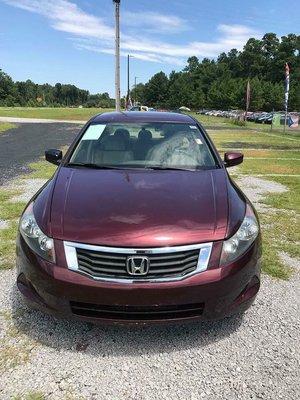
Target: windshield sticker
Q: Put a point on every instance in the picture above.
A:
(94, 132)
(193, 127)
(198, 141)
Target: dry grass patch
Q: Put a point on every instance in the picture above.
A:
(258, 153)
(279, 235)
(5, 126)
(15, 346)
(281, 228)
(41, 170)
(30, 396)
(9, 212)
(263, 153)
(290, 200)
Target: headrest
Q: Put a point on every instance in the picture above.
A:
(114, 143)
(145, 135)
(122, 133)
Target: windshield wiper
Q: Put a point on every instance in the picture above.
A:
(152, 167)
(91, 165)
(161, 167)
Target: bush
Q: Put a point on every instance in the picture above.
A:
(238, 122)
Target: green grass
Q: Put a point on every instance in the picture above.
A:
(5, 126)
(227, 139)
(280, 234)
(270, 166)
(81, 114)
(16, 346)
(288, 200)
(41, 170)
(270, 153)
(271, 263)
(9, 212)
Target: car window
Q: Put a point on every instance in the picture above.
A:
(143, 145)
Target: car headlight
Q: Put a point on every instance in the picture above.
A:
(242, 239)
(34, 237)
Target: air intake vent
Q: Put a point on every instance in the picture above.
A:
(103, 264)
(136, 313)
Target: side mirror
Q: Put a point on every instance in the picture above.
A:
(231, 159)
(53, 156)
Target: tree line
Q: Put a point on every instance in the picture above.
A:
(213, 84)
(30, 94)
(221, 83)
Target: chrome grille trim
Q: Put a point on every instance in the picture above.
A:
(203, 259)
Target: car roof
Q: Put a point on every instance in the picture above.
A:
(131, 117)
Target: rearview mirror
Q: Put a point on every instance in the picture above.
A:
(232, 158)
(53, 156)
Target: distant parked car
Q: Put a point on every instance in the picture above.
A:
(264, 117)
(140, 108)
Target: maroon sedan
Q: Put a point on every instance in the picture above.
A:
(140, 223)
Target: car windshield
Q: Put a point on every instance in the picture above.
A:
(143, 145)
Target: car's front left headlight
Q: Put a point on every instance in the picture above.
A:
(236, 246)
(34, 237)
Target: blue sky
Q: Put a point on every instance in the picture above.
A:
(72, 41)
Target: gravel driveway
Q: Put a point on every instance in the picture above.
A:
(255, 356)
(27, 142)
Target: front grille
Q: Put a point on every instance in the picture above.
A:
(137, 313)
(113, 265)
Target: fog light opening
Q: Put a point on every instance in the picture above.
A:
(28, 291)
(248, 292)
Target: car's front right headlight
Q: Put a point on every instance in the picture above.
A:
(34, 237)
(236, 246)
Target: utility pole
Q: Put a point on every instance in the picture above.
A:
(286, 93)
(135, 79)
(128, 77)
(117, 54)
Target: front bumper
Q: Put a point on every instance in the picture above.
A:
(212, 294)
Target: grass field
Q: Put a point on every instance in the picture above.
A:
(271, 156)
(5, 126)
(81, 114)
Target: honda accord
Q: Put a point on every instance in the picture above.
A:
(140, 223)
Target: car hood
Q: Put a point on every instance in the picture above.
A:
(137, 208)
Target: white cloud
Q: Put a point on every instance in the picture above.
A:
(67, 17)
(154, 22)
(144, 56)
(236, 30)
(94, 34)
(230, 36)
